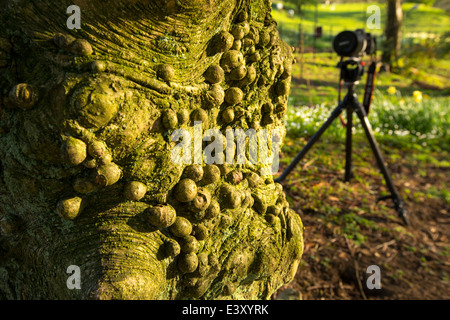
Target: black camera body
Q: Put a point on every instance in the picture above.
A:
(354, 43)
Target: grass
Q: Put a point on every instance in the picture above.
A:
(410, 118)
(347, 16)
(336, 17)
(425, 121)
(419, 21)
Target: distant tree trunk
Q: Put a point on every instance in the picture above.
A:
(393, 33)
(91, 203)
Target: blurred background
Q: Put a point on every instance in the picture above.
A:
(345, 229)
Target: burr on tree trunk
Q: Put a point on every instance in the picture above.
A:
(87, 179)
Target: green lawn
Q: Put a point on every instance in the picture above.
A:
(419, 20)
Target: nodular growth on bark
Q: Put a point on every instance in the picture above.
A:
(86, 178)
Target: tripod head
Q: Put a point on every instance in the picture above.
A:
(351, 70)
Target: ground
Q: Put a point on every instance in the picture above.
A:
(346, 230)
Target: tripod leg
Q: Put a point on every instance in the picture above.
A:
(348, 146)
(335, 113)
(399, 206)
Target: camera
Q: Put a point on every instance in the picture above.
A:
(354, 43)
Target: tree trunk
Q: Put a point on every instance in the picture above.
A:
(393, 33)
(87, 174)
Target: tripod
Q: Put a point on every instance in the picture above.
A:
(351, 104)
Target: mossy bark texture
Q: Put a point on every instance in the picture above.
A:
(85, 151)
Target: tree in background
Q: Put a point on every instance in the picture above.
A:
(393, 33)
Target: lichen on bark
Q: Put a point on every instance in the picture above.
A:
(85, 151)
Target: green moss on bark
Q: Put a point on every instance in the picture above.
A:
(119, 87)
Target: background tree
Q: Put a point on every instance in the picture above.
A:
(393, 33)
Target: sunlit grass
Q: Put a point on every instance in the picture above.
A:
(424, 117)
(347, 16)
(424, 121)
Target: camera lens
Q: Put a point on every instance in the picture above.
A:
(349, 43)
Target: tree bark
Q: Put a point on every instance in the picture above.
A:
(393, 33)
(86, 175)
